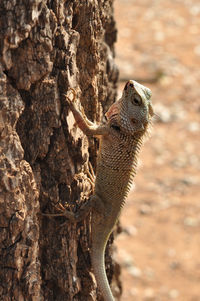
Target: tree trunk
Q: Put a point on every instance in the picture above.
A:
(46, 48)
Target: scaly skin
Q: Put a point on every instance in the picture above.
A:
(120, 137)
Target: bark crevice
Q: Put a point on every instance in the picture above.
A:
(46, 48)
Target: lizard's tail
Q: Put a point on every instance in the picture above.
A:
(98, 265)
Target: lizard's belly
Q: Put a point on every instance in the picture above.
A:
(115, 170)
(112, 184)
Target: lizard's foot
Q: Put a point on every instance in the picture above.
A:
(68, 99)
(72, 104)
(78, 216)
(91, 175)
(64, 212)
(93, 203)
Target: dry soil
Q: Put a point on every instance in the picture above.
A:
(159, 248)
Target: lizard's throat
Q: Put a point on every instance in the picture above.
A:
(113, 111)
(132, 126)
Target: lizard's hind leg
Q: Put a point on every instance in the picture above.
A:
(74, 217)
(85, 209)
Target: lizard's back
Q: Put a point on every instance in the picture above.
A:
(116, 166)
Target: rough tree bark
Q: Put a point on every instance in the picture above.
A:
(47, 47)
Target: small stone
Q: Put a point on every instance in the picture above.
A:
(135, 271)
(149, 273)
(194, 10)
(131, 230)
(165, 204)
(194, 127)
(197, 50)
(163, 112)
(134, 292)
(189, 180)
(145, 209)
(171, 252)
(173, 294)
(149, 294)
(191, 221)
(180, 162)
(126, 259)
(159, 36)
(175, 265)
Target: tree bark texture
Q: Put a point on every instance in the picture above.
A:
(46, 47)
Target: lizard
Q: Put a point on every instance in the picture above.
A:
(121, 136)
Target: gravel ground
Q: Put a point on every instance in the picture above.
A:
(159, 45)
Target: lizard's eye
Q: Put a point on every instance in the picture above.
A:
(136, 100)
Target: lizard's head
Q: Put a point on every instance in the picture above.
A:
(133, 111)
(136, 110)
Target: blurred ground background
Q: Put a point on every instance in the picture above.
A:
(159, 248)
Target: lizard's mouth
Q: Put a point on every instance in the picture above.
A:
(116, 127)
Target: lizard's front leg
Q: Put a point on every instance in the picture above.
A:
(88, 127)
